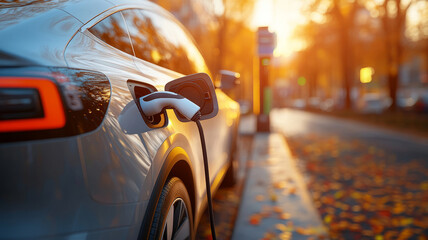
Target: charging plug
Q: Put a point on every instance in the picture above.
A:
(154, 103)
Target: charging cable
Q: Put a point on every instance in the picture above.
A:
(154, 103)
(207, 178)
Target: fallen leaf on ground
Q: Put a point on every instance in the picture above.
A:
(292, 190)
(260, 198)
(284, 216)
(255, 219)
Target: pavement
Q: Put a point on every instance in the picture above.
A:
(366, 182)
(275, 203)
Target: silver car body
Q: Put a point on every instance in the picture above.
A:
(98, 185)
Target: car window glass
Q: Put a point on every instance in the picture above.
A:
(148, 45)
(112, 30)
(161, 41)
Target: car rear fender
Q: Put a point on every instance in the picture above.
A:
(176, 164)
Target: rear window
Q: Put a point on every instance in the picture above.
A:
(21, 3)
(112, 30)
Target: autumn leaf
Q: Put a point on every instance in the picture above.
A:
(254, 219)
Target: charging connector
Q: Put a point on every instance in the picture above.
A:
(154, 103)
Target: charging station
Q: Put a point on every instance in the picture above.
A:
(266, 43)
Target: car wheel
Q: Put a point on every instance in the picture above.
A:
(173, 215)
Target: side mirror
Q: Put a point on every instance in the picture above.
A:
(228, 80)
(199, 89)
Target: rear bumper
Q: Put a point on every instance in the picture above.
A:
(43, 195)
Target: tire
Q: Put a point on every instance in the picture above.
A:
(173, 216)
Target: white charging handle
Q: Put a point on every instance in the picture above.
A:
(154, 103)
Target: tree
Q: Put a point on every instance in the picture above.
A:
(393, 16)
(340, 15)
(230, 23)
(344, 14)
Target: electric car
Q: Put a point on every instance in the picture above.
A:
(78, 158)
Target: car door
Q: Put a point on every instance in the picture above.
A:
(160, 40)
(117, 161)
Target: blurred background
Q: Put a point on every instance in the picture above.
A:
(338, 56)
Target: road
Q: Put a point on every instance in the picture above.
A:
(293, 123)
(366, 182)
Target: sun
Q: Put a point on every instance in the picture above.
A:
(262, 15)
(282, 17)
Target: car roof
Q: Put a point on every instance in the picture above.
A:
(37, 22)
(37, 32)
(85, 10)
(16, 11)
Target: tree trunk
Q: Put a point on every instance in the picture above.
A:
(394, 29)
(394, 63)
(391, 67)
(346, 56)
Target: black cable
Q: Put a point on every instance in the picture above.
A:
(207, 178)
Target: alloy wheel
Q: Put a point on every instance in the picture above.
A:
(177, 225)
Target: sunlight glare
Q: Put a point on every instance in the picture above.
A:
(263, 13)
(282, 17)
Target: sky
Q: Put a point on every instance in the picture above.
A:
(282, 17)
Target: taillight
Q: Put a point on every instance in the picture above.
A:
(50, 102)
(29, 104)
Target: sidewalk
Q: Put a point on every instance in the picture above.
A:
(275, 203)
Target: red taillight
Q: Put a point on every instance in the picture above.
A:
(28, 103)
